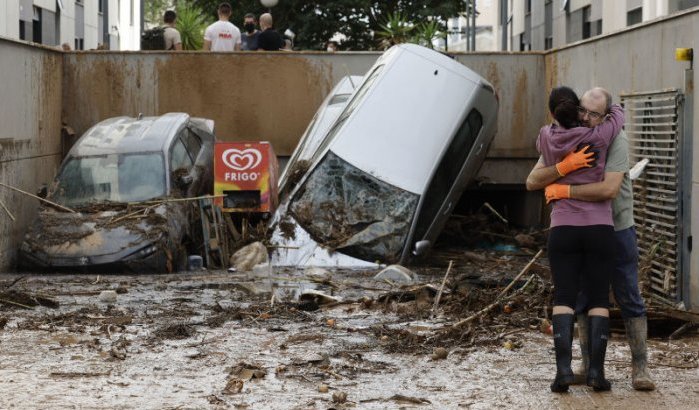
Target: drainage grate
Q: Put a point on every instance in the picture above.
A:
(653, 127)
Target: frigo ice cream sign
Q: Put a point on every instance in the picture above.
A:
(245, 176)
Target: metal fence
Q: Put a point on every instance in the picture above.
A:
(653, 125)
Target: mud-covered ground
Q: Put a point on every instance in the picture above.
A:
(220, 340)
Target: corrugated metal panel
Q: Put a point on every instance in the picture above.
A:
(653, 127)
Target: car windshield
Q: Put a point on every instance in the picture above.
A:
(349, 210)
(110, 178)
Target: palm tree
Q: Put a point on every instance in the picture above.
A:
(426, 33)
(395, 29)
(191, 23)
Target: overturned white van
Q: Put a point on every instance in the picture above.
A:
(387, 174)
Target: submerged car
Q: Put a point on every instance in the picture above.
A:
(387, 174)
(120, 178)
(325, 116)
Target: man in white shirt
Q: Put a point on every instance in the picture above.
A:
(222, 35)
(173, 40)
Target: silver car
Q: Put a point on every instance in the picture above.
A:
(120, 177)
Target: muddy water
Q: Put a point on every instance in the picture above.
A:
(88, 354)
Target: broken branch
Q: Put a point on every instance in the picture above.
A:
(491, 209)
(39, 198)
(441, 289)
(498, 299)
(519, 275)
(8, 211)
(161, 201)
(15, 303)
(155, 204)
(78, 374)
(15, 281)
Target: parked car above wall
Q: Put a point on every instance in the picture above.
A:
(117, 178)
(387, 174)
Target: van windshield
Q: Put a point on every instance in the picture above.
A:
(353, 212)
(110, 178)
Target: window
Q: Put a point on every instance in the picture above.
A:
(22, 30)
(36, 25)
(448, 172)
(179, 157)
(132, 12)
(634, 16)
(110, 178)
(523, 45)
(191, 142)
(685, 4)
(528, 7)
(79, 25)
(586, 22)
(548, 25)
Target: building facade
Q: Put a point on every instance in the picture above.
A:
(486, 27)
(81, 24)
(545, 24)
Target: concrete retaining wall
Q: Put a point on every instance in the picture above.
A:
(271, 96)
(30, 133)
(250, 96)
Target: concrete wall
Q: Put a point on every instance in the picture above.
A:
(271, 96)
(250, 96)
(30, 143)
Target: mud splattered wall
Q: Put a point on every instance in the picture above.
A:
(30, 134)
(273, 96)
(250, 96)
(518, 80)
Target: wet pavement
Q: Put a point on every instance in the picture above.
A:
(220, 340)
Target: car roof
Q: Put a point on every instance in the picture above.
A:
(120, 135)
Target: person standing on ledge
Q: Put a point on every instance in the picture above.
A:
(222, 35)
(269, 39)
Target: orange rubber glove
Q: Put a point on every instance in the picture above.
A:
(575, 160)
(554, 192)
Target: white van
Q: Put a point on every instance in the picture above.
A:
(388, 173)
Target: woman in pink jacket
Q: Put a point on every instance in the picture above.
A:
(581, 240)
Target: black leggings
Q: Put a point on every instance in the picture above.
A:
(582, 258)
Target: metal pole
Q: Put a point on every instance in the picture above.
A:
(473, 26)
(686, 189)
(503, 21)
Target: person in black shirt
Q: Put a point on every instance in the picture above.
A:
(269, 39)
(249, 37)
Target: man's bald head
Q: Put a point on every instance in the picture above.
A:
(599, 93)
(596, 103)
(266, 21)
